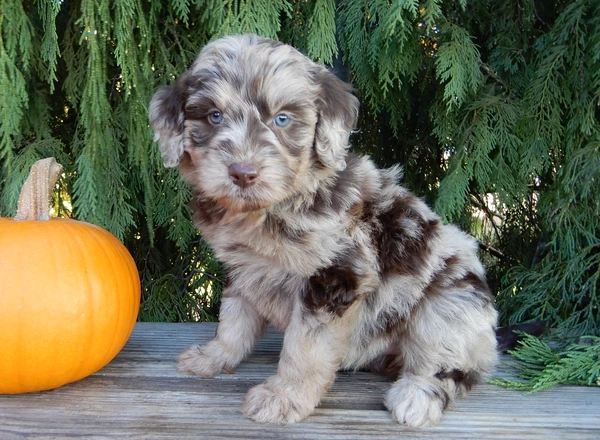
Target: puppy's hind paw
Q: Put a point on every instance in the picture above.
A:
(417, 401)
(265, 405)
(197, 360)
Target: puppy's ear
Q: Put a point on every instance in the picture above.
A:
(338, 113)
(167, 120)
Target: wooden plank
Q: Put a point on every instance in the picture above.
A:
(140, 394)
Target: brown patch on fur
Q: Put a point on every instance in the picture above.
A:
(446, 278)
(442, 395)
(463, 379)
(442, 278)
(248, 206)
(481, 289)
(332, 289)
(399, 250)
(341, 193)
(388, 365)
(393, 323)
(202, 132)
(338, 101)
(388, 321)
(173, 101)
(277, 227)
(356, 210)
(206, 210)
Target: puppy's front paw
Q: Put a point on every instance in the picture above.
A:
(200, 361)
(417, 402)
(266, 404)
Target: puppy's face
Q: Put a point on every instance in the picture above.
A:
(252, 120)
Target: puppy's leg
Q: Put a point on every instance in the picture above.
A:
(239, 328)
(310, 357)
(449, 347)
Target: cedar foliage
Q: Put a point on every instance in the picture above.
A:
(539, 367)
(491, 107)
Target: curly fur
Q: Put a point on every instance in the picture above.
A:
(357, 271)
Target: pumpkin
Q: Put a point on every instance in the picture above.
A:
(69, 293)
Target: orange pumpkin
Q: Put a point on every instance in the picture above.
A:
(69, 293)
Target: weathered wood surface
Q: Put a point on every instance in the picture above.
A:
(141, 395)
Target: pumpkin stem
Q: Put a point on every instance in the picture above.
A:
(36, 194)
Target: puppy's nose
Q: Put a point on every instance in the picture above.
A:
(243, 175)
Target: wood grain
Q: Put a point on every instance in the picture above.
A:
(141, 395)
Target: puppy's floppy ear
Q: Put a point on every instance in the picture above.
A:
(338, 113)
(167, 120)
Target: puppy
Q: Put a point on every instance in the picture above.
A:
(358, 272)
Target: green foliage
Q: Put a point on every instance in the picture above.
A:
(541, 367)
(560, 125)
(491, 107)
(321, 32)
(457, 62)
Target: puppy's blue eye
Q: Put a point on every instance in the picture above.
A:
(282, 120)
(215, 117)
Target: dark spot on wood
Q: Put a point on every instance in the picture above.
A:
(332, 289)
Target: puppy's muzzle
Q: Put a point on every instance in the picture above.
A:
(244, 175)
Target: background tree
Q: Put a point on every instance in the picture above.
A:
(491, 107)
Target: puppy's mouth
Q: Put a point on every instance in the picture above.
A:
(242, 204)
(246, 192)
(249, 187)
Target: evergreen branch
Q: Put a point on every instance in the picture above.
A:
(539, 367)
(203, 273)
(194, 263)
(495, 252)
(322, 45)
(457, 65)
(512, 113)
(480, 203)
(489, 72)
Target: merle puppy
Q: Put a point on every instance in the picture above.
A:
(356, 270)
